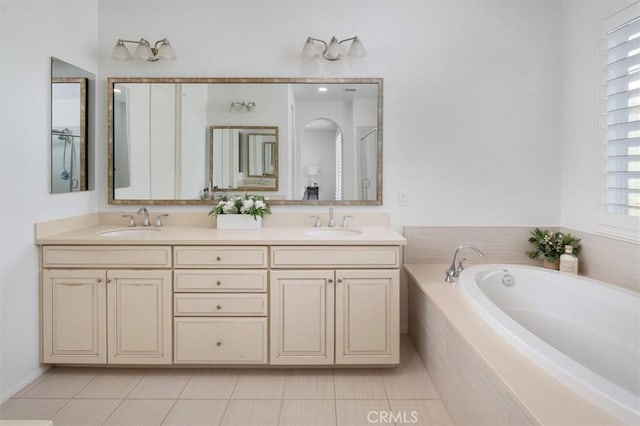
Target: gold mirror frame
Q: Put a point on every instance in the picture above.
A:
(112, 81)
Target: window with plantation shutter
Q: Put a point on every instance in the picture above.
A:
(621, 140)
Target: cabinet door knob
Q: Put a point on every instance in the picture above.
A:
(219, 307)
(330, 281)
(99, 280)
(218, 258)
(339, 280)
(218, 344)
(218, 283)
(109, 281)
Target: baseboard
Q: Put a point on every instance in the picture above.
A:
(22, 383)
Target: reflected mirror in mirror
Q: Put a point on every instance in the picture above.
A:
(72, 91)
(182, 141)
(244, 158)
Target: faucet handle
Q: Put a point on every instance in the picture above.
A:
(158, 223)
(132, 221)
(316, 221)
(345, 221)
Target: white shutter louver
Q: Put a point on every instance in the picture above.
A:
(622, 145)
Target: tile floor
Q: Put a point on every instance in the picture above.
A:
(243, 397)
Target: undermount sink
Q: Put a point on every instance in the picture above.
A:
(129, 232)
(333, 232)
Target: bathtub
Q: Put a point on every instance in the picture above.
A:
(584, 332)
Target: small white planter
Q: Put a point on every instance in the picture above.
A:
(238, 221)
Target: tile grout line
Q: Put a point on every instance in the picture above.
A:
(125, 397)
(226, 407)
(335, 396)
(175, 401)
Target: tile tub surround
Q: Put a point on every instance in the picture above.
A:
(602, 258)
(323, 397)
(480, 377)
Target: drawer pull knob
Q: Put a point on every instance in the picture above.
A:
(218, 344)
(218, 283)
(219, 307)
(218, 258)
(330, 281)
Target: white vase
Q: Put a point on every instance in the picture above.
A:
(238, 221)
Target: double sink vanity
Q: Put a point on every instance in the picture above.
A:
(188, 294)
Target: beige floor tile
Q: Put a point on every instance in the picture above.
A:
(196, 413)
(140, 412)
(85, 412)
(363, 412)
(32, 409)
(308, 412)
(430, 412)
(59, 384)
(210, 384)
(243, 412)
(409, 384)
(359, 384)
(262, 384)
(27, 388)
(161, 384)
(111, 384)
(310, 384)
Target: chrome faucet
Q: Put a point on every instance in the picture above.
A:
(332, 221)
(145, 218)
(456, 266)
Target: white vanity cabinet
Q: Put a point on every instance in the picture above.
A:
(98, 307)
(344, 311)
(220, 305)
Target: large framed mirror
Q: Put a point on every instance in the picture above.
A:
(72, 94)
(293, 140)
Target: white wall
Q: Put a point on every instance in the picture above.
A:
(580, 84)
(30, 33)
(472, 104)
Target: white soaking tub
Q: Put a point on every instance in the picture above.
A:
(584, 332)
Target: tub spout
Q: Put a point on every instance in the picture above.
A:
(456, 266)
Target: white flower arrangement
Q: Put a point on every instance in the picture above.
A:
(254, 205)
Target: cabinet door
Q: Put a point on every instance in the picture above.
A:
(74, 317)
(367, 317)
(139, 316)
(302, 309)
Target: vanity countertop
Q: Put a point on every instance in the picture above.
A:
(201, 235)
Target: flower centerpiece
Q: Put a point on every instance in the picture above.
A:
(240, 212)
(549, 245)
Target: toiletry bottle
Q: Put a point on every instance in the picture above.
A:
(568, 261)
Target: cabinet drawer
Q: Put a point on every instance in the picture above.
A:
(335, 256)
(220, 340)
(189, 304)
(108, 256)
(191, 280)
(220, 257)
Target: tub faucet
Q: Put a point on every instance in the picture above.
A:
(332, 221)
(456, 266)
(145, 216)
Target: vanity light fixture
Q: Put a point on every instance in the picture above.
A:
(242, 106)
(333, 50)
(161, 50)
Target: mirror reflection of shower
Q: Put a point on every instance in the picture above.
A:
(367, 158)
(65, 169)
(321, 159)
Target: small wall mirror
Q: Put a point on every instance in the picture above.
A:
(293, 140)
(72, 94)
(243, 158)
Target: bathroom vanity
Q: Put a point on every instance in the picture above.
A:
(194, 295)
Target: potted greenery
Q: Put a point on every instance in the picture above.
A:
(549, 245)
(240, 212)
